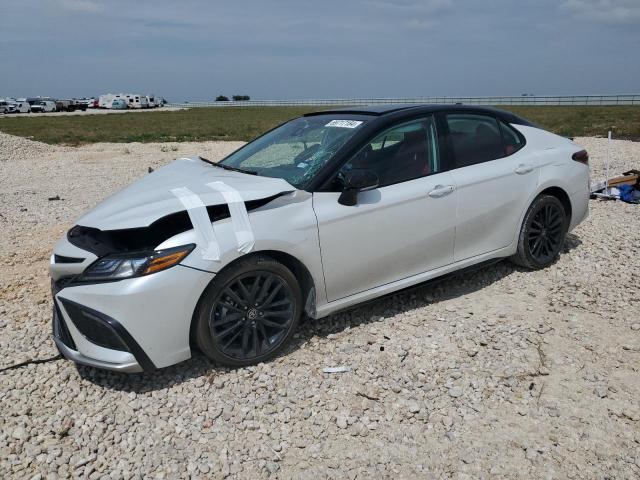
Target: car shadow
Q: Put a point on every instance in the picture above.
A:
(431, 292)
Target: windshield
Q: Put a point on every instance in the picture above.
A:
(297, 150)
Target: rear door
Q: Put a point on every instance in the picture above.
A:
(495, 176)
(402, 228)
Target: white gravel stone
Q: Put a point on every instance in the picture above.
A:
(341, 421)
(455, 392)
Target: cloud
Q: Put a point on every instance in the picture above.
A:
(195, 49)
(170, 24)
(418, 24)
(606, 11)
(408, 5)
(81, 6)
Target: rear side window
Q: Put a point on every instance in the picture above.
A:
(512, 141)
(474, 138)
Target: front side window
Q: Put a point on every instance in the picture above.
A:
(400, 154)
(297, 150)
(474, 138)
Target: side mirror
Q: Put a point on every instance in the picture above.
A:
(356, 181)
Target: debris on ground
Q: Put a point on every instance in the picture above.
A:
(336, 369)
(625, 187)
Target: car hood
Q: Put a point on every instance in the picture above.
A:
(150, 198)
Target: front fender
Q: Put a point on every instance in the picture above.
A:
(287, 224)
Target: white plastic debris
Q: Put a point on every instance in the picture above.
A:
(336, 369)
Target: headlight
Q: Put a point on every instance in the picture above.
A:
(138, 264)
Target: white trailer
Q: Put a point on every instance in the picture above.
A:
(135, 100)
(105, 100)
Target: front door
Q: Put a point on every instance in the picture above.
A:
(402, 228)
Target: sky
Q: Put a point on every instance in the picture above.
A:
(186, 50)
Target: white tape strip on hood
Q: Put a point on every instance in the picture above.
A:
(201, 222)
(239, 215)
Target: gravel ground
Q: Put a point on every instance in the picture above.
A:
(501, 373)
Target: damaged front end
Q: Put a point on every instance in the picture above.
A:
(118, 303)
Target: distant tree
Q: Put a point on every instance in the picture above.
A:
(241, 98)
(222, 98)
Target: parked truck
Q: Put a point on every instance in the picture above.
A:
(43, 106)
(69, 105)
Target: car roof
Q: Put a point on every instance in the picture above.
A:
(410, 109)
(366, 109)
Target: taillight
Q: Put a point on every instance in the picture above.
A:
(582, 156)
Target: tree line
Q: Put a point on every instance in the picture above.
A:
(235, 98)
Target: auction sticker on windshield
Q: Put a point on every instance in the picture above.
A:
(344, 123)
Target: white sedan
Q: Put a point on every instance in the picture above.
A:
(317, 215)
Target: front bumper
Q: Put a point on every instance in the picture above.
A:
(77, 357)
(131, 325)
(121, 358)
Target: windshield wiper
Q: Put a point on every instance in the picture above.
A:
(228, 167)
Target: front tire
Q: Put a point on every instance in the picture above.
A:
(542, 234)
(249, 312)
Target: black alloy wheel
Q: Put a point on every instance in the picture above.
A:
(249, 312)
(542, 234)
(252, 315)
(546, 233)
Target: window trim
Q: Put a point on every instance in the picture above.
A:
(444, 165)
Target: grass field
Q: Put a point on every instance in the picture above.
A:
(199, 124)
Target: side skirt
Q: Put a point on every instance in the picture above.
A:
(439, 274)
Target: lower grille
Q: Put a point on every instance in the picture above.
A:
(94, 326)
(60, 330)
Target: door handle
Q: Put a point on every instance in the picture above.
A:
(523, 169)
(441, 191)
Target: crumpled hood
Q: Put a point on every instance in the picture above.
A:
(150, 198)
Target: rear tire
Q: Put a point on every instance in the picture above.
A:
(249, 312)
(542, 233)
